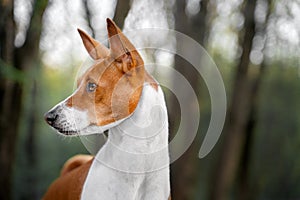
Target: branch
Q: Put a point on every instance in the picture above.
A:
(121, 11)
(88, 16)
(32, 41)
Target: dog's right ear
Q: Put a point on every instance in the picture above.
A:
(121, 49)
(94, 48)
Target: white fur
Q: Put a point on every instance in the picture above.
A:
(134, 162)
(74, 120)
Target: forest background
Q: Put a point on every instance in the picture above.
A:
(254, 43)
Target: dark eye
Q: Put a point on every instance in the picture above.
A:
(91, 87)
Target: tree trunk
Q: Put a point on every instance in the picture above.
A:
(30, 144)
(88, 17)
(121, 11)
(185, 171)
(244, 186)
(236, 123)
(11, 90)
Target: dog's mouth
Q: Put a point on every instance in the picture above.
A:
(68, 132)
(65, 124)
(67, 121)
(84, 131)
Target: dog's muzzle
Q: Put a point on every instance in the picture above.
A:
(57, 119)
(52, 116)
(66, 120)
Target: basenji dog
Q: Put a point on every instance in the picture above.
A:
(116, 94)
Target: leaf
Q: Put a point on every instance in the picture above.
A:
(11, 73)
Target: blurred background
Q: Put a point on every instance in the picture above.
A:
(254, 43)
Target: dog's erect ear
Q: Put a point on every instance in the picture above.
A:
(121, 48)
(94, 48)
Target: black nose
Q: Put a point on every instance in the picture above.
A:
(51, 117)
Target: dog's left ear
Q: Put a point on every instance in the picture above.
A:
(121, 49)
(94, 48)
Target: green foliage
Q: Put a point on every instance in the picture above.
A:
(51, 150)
(276, 170)
(10, 72)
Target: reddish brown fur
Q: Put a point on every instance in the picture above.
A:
(116, 96)
(120, 77)
(69, 185)
(75, 162)
(149, 79)
(120, 81)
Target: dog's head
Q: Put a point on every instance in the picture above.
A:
(107, 92)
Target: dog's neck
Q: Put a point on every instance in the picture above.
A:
(134, 162)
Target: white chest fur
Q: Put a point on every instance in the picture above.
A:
(134, 162)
